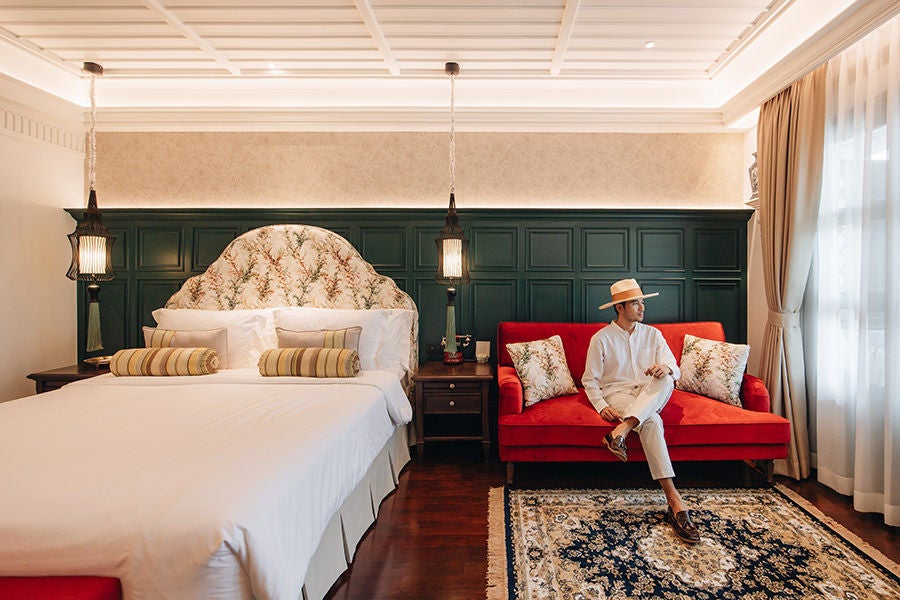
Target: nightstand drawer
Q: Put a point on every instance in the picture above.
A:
(453, 387)
(452, 403)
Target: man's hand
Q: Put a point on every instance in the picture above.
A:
(611, 414)
(658, 371)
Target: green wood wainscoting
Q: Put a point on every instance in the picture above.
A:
(525, 265)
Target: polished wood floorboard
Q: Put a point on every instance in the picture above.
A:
(430, 540)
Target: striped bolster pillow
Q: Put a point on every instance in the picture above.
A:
(309, 362)
(164, 361)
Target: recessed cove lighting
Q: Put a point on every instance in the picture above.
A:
(649, 45)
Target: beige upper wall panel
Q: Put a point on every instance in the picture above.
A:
(493, 170)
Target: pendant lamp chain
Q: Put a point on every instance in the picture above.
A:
(92, 138)
(452, 132)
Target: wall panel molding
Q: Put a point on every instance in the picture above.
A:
(549, 299)
(587, 250)
(717, 250)
(660, 250)
(605, 249)
(548, 248)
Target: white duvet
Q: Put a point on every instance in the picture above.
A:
(212, 487)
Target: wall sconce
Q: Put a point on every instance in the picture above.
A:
(452, 245)
(91, 242)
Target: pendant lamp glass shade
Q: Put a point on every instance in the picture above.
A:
(91, 242)
(452, 250)
(91, 247)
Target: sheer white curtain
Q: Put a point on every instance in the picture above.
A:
(856, 387)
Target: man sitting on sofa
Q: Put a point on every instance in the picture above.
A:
(629, 376)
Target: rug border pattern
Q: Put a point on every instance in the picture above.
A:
(500, 568)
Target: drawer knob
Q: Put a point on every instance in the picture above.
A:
(452, 403)
(452, 386)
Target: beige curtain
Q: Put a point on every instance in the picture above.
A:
(790, 142)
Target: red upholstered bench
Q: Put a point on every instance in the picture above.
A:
(60, 588)
(569, 429)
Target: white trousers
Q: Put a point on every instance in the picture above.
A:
(644, 403)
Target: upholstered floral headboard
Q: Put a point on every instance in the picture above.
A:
(293, 265)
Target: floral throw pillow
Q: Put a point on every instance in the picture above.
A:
(713, 369)
(542, 367)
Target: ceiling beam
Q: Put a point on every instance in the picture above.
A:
(565, 34)
(368, 16)
(192, 35)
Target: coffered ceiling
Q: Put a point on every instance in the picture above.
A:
(378, 64)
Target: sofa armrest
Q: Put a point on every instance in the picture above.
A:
(510, 399)
(754, 395)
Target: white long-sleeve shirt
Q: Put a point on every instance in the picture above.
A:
(616, 361)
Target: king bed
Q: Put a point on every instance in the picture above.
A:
(227, 485)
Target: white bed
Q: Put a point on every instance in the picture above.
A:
(230, 485)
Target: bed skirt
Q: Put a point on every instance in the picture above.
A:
(338, 545)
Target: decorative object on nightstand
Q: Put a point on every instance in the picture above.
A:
(452, 404)
(482, 351)
(46, 381)
(452, 245)
(98, 361)
(91, 242)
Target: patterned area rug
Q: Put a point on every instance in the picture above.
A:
(756, 543)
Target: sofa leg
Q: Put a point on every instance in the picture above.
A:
(749, 468)
(766, 468)
(769, 467)
(510, 472)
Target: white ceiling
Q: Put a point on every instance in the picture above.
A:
(378, 64)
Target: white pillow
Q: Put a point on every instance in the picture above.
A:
(250, 331)
(383, 343)
(393, 351)
(714, 369)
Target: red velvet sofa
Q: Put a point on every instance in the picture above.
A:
(60, 588)
(568, 428)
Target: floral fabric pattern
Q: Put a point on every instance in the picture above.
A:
(542, 367)
(293, 265)
(714, 369)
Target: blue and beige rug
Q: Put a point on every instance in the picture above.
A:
(606, 544)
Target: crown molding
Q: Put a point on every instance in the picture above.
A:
(20, 125)
(563, 120)
(848, 28)
(32, 114)
(776, 9)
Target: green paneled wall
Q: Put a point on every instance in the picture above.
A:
(547, 265)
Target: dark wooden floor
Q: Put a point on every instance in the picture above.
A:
(430, 540)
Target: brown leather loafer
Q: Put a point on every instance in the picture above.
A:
(616, 445)
(683, 526)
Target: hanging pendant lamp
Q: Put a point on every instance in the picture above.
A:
(452, 245)
(91, 241)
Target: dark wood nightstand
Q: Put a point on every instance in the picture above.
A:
(45, 381)
(452, 404)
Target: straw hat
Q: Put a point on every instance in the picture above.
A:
(625, 290)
